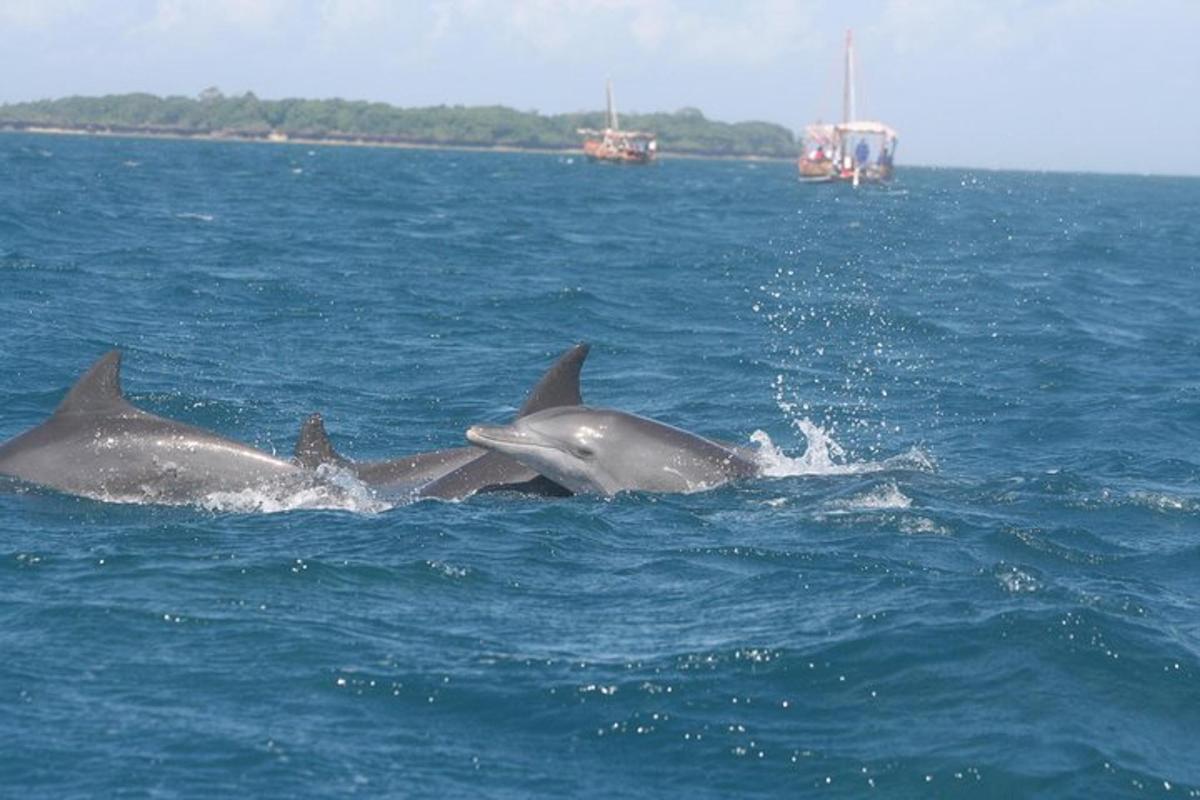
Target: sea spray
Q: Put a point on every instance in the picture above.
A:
(845, 358)
(824, 456)
(335, 489)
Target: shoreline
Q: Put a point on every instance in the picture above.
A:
(340, 141)
(333, 141)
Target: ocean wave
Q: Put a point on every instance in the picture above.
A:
(917, 526)
(885, 497)
(1016, 580)
(1163, 501)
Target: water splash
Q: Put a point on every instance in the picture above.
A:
(846, 357)
(824, 456)
(334, 489)
(258, 501)
(328, 488)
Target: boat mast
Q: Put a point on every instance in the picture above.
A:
(612, 108)
(848, 111)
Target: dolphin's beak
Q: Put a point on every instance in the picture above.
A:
(489, 435)
(504, 438)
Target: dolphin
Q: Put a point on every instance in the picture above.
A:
(406, 473)
(96, 444)
(605, 451)
(459, 472)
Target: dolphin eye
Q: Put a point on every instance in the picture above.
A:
(582, 451)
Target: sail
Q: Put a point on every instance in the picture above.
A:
(611, 119)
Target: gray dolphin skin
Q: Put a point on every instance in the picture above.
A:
(97, 445)
(605, 451)
(455, 473)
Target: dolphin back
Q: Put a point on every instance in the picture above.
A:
(96, 444)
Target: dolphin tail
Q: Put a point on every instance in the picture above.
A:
(560, 385)
(313, 447)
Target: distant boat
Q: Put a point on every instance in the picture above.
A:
(615, 145)
(853, 150)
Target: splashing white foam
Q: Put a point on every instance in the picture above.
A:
(335, 489)
(824, 456)
(336, 495)
(330, 488)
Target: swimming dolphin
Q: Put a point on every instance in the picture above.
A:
(407, 473)
(97, 445)
(458, 472)
(605, 451)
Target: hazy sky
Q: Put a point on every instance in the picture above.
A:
(1106, 85)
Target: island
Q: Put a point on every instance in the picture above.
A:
(247, 117)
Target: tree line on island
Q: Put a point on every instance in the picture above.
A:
(686, 131)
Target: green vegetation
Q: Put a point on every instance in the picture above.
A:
(212, 113)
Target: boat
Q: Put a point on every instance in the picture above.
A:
(615, 145)
(853, 150)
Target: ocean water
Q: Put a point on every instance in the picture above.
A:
(973, 569)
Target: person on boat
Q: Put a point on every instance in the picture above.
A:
(862, 153)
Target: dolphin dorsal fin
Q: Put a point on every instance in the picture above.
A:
(560, 385)
(313, 447)
(99, 390)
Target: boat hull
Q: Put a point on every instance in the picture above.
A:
(827, 172)
(814, 171)
(598, 150)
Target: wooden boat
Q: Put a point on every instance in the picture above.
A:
(615, 145)
(853, 150)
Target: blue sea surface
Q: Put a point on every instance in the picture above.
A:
(972, 571)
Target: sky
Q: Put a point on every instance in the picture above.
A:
(1077, 85)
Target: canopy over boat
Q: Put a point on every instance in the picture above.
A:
(867, 127)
